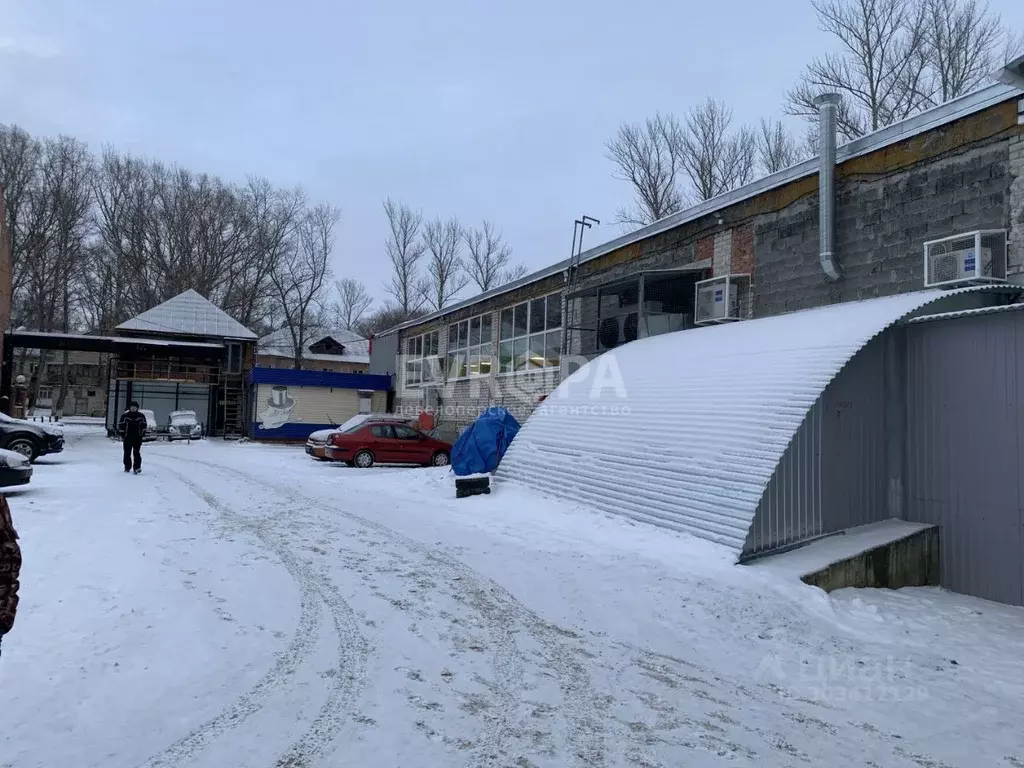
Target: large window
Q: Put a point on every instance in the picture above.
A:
(531, 335)
(420, 359)
(469, 347)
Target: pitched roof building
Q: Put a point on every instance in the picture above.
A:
(188, 314)
(326, 349)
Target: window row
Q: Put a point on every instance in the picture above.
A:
(419, 352)
(530, 339)
(537, 316)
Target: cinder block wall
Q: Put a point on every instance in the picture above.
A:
(882, 224)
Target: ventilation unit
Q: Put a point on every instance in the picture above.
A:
(617, 330)
(969, 258)
(718, 300)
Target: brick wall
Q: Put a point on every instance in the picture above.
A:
(881, 227)
(743, 250)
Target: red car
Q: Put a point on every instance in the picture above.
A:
(387, 442)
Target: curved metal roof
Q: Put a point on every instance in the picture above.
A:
(685, 430)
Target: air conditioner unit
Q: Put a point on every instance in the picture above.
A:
(970, 258)
(718, 299)
(617, 330)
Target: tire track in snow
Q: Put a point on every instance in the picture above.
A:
(504, 615)
(313, 590)
(286, 664)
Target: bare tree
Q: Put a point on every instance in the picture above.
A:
(649, 156)
(514, 273)
(1013, 45)
(880, 70)
(353, 302)
(488, 263)
(963, 44)
(269, 218)
(714, 159)
(446, 274)
(383, 319)
(300, 276)
(776, 147)
(404, 249)
(20, 158)
(67, 172)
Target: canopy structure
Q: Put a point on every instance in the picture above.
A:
(685, 430)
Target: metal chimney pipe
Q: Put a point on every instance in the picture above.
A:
(827, 105)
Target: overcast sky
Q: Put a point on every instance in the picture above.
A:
(466, 107)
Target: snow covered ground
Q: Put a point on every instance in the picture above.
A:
(241, 605)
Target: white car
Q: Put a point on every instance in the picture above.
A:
(15, 469)
(183, 425)
(151, 426)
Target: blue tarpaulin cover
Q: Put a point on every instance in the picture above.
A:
(480, 448)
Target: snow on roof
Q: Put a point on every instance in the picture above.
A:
(942, 114)
(685, 430)
(188, 314)
(280, 344)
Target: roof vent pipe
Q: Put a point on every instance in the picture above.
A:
(827, 104)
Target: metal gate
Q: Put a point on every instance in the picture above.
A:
(965, 380)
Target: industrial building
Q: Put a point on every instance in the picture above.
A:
(827, 347)
(948, 177)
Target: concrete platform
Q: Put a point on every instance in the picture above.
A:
(891, 554)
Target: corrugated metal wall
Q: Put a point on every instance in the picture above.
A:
(834, 474)
(790, 509)
(854, 477)
(965, 378)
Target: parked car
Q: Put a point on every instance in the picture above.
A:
(15, 469)
(387, 442)
(152, 428)
(183, 425)
(316, 444)
(30, 439)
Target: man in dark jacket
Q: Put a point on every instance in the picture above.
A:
(10, 567)
(132, 427)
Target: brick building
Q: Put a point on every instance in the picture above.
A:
(956, 169)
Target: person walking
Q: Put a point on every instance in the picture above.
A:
(132, 427)
(10, 567)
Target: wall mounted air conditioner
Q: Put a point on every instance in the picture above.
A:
(718, 299)
(966, 259)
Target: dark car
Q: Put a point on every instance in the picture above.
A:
(15, 469)
(29, 439)
(387, 442)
